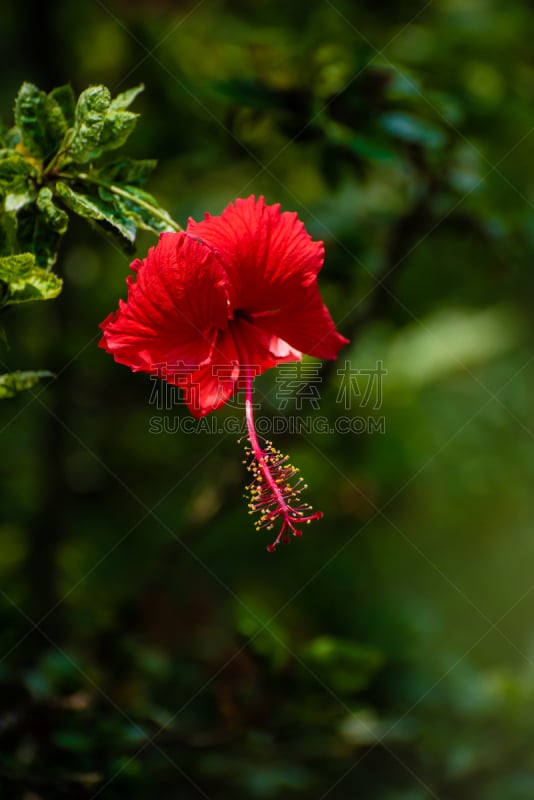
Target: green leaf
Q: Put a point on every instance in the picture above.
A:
(56, 218)
(125, 99)
(16, 188)
(118, 126)
(13, 382)
(25, 281)
(94, 208)
(15, 165)
(20, 195)
(40, 121)
(66, 99)
(89, 120)
(35, 235)
(100, 123)
(128, 171)
(111, 233)
(146, 211)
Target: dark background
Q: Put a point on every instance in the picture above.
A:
(149, 646)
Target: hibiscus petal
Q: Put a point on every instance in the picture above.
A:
(258, 348)
(180, 299)
(211, 386)
(305, 324)
(268, 255)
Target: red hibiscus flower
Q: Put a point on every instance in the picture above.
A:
(218, 304)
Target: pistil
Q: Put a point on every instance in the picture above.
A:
(275, 489)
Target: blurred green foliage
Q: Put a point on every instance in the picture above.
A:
(149, 646)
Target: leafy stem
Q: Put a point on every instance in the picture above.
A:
(51, 167)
